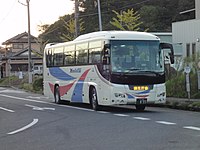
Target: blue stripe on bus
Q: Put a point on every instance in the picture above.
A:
(77, 93)
(144, 92)
(130, 96)
(78, 90)
(60, 74)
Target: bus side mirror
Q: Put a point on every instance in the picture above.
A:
(106, 54)
(170, 47)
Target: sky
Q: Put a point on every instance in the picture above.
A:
(14, 19)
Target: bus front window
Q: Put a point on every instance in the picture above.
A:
(133, 56)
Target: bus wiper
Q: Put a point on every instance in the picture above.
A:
(153, 72)
(133, 69)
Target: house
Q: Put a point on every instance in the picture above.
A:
(14, 57)
(187, 33)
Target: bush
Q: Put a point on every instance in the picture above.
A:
(38, 84)
(176, 87)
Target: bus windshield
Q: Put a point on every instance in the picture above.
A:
(136, 56)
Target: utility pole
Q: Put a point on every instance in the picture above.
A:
(30, 78)
(77, 28)
(99, 12)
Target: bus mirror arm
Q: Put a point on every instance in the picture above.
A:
(106, 46)
(106, 60)
(168, 46)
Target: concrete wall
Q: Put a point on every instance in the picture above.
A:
(187, 32)
(197, 9)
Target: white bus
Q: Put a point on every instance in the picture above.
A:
(107, 68)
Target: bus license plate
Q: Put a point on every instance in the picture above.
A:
(141, 101)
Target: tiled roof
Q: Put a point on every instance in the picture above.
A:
(20, 38)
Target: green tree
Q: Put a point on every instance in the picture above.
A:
(69, 33)
(129, 20)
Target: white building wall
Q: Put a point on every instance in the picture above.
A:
(197, 9)
(187, 32)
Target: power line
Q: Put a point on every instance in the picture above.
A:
(8, 12)
(127, 6)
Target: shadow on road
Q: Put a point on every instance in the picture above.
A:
(111, 109)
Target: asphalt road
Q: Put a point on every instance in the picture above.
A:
(33, 122)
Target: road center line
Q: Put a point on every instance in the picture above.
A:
(121, 115)
(166, 123)
(8, 110)
(24, 128)
(142, 118)
(192, 128)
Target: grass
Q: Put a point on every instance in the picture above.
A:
(14, 81)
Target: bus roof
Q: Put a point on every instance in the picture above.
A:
(109, 35)
(122, 35)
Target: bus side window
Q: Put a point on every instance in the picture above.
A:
(94, 55)
(58, 56)
(69, 58)
(82, 57)
(49, 58)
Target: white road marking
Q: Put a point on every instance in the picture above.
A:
(39, 108)
(103, 112)
(39, 97)
(24, 128)
(24, 99)
(33, 97)
(8, 110)
(192, 128)
(166, 123)
(121, 115)
(85, 109)
(37, 101)
(11, 91)
(142, 118)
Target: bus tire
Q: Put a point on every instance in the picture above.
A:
(140, 107)
(93, 99)
(57, 95)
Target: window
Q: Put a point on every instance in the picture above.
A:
(69, 55)
(94, 44)
(82, 57)
(188, 50)
(82, 53)
(18, 46)
(69, 58)
(193, 48)
(58, 56)
(49, 57)
(82, 46)
(94, 55)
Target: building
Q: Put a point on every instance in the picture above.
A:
(187, 33)
(14, 56)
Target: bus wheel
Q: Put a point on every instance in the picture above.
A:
(93, 99)
(140, 107)
(57, 95)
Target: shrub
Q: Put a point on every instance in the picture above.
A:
(38, 84)
(176, 87)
